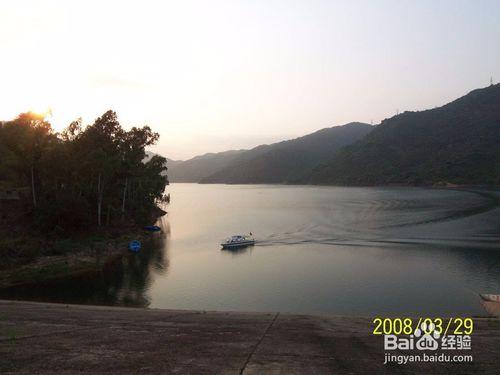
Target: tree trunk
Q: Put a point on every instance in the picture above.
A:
(108, 215)
(124, 195)
(33, 184)
(99, 200)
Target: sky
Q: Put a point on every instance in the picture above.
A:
(216, 75)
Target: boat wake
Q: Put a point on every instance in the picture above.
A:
(431, 221)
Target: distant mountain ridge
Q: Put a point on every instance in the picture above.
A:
(197, 168)
(282, 162)
(458, 143)
(288, 161)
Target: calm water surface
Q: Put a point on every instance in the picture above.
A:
(361, 251)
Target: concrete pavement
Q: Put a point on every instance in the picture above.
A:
(49, 338)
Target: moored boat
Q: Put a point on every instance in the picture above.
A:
(490, 297)
(134, 246)
(491, 303)
(152, 228)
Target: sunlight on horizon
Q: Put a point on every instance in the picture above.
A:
(211, 76)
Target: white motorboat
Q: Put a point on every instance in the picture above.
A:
(238, 241)
(490, 297)
(491, 303)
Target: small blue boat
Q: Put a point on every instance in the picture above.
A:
(134, 246)
(152, 228)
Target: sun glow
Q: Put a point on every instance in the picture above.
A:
(43, 111)
(57, 122)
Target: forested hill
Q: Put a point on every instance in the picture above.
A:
(288, 161)
(195, 169)
(458, 143)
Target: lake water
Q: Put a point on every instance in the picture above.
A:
(363, 251)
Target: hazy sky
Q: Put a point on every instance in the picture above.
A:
(214, 75)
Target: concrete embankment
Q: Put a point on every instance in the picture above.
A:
(50, 338)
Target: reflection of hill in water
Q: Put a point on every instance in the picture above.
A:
(124, 281)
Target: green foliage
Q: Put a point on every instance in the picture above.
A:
(83, 177)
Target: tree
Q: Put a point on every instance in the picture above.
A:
(26, 138)
(84, 175)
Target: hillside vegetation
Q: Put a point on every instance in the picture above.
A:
(458, 143)
(288, 161)
(199, 167)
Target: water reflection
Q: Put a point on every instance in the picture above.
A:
(333, 250)
(236, 251)
(363, 251)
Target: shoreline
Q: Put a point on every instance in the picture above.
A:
(424, 186)
(133, 308)
(85, 251)
(90, 257)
